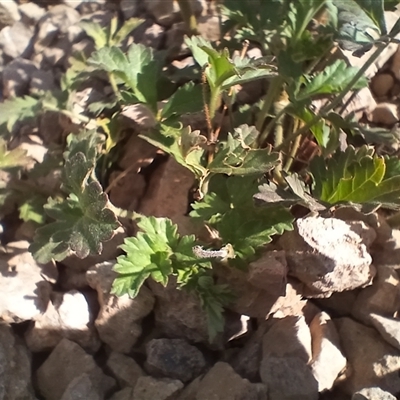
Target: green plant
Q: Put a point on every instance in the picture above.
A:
(251, 159)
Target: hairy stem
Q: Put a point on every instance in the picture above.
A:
(335, 102)
(273, 92)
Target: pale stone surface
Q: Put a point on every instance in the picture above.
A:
(67, 316)
(371, 361)
(55, 22)
(119, 319)
(327, 256)
(327, 361)
(24, 285)
(383, 297)
(288, 337)
(17, 76)
(389, 328)
(223, 383)
(374, 393)
(65, 363)
(17, 40)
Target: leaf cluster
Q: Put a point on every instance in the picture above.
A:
(83, 220)
(159, 252)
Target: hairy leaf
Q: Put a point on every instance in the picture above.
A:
(17, 110)
(333, 79)
(96, 32)
(357, 31)
(230, 209)
(157, 252)
(355, 176)
(183, 144)
(81, 222)
(187, 99)
(12, 158)
(139, 69)
(237, 157)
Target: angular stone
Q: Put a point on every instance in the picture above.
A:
(55, 22)
(65, 363)
(389, 328)
(168, 192)
(179, 314)
(288, 337)
(174, 358)
(327, 361)
(270, 269)
(288, 378)
(8, 13)
(327, 256)
(25, 286)
(81, 387)
(246, 362)
(339, 304)
(119, 319)
(42, 81)
(382, 298)
(17, 40)
(149, 388)
(372, 362)
(250, 300)
(292, 303)
(374, 393)
(31, 13)
(125, 369)
(15, 376)
(223, 383)
(67, 316)
(17, 76)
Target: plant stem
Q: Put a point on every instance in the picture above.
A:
(273, 92)
(114, 85)
(292, 154)
(51, 107)
(279, 105)
(335, 102)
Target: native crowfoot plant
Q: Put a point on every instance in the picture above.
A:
(250, 159)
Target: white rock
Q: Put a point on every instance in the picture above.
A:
(119, 320)
(68, 317)
(67, 362)
(328, 361)
(24, 285)
(288, 337)
(327, 256)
